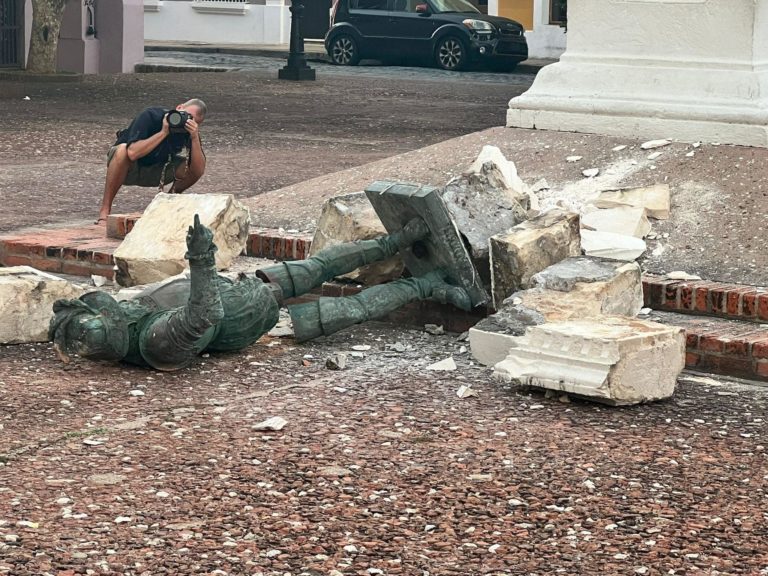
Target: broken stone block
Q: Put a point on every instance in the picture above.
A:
(26, 303)
(529, 248)
(585, 287)
(154, 249)
(492, 337)
(481, 206)
(629, 220)
(348, 218)
(655, 199)
(615, 360)
(508, 172)
(612, 246)
(575, 288)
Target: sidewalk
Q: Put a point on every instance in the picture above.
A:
(314, 50)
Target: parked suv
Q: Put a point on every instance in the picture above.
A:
(453, 33)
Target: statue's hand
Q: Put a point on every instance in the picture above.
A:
(199, 241)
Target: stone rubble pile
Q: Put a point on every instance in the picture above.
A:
(564, 321)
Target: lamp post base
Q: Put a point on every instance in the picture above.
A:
(296, 73)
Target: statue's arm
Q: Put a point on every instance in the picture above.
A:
(171, 340)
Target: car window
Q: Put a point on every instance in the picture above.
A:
(368, 4)
(406, 5)
(453, 6)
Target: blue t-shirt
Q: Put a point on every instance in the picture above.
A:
(150, 122)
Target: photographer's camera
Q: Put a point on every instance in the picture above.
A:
(177, 120)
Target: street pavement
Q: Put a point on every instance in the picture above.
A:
(164, 60)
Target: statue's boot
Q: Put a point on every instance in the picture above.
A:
(329, 315)
(301, 276)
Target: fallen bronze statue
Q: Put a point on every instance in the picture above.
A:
(167, 327)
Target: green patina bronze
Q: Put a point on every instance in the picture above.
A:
(167, 327)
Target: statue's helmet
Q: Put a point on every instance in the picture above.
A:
(93, 326)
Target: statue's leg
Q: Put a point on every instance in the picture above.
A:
(329, 315)
(298, 277)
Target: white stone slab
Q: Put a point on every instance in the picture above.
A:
(655, 199)
(154, 249)
(612, 359)
(611, 246)
(26, 303)
(640, 69)
(627, 220)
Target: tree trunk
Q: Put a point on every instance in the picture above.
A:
(46, 24)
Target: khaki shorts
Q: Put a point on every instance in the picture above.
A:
(139, 175)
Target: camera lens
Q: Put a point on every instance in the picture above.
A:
(174, 119)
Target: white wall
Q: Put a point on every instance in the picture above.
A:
(217, 21)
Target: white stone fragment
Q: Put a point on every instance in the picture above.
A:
(136, 393)
(154, 249)
(628, 220)
(655, 199)
(444, 365)
(619, 148)
(274, 423)
(612, 359)
(465, 391)
(573, 158)
(680, 275)
(691, 154)
(26, 303)
(590, 172)
(654, 155)
(611, 246)
(651, 144)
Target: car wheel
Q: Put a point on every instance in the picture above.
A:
(450, 53)
(343, 50)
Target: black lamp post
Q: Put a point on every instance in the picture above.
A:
(297, 67)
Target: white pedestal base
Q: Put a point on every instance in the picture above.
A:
(688, 71)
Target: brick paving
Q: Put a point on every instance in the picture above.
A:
(381, 469)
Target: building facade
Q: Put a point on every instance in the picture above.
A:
(544, 22)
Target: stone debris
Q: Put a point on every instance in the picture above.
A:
(651, 144)
(619, 148)
(337, 471)
(612, 246)
(654, 155)
(348, 218)
(482, 203)
(590, 172)
(507, 169)
(26, 303)
(465, 391)
(628, 220)
(581, 287)
(690, 154)
(361, 347)
(274, 423)
(99, 281)
(336, 362)
(655, 199)
(573, 158)
(529, 248)
(154, 249)
(680, 275)
(448, 364)
(612, 359)
(434, 329)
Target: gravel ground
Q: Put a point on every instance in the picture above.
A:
(381, 469)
